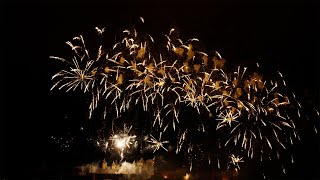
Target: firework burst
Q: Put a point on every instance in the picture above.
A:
(249, 113)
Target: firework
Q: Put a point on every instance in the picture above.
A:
(157, 144)
(249, 113)
(235, 160)
(120, 141)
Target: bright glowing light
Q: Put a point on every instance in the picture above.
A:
(123, 140)
(121, 143)
(186, 177)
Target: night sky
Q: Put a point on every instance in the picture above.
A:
(280, 36)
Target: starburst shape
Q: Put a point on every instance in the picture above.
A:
(227, 117)
(157, 144)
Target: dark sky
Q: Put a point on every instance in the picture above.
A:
(279, 35)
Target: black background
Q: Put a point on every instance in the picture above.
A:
(280, 36)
